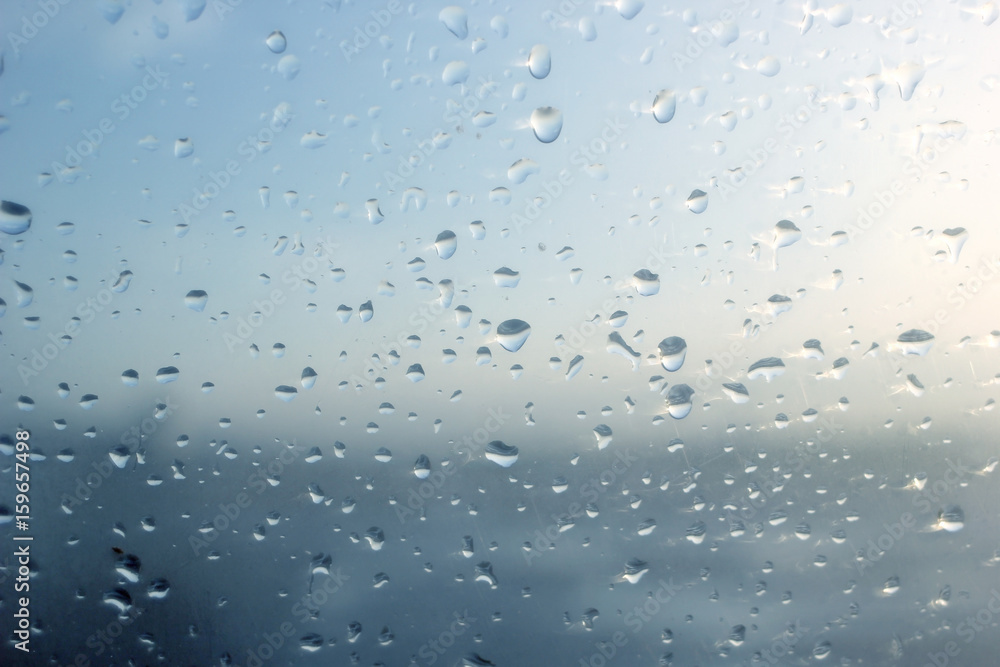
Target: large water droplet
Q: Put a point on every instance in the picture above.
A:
(502, 454)
(547, 123)
(289, 66)
(664, 105)
(183, 147)
(736, 392)
(25, 295)
(422, 468)
(511, 334)
(276, 42)
(672, 353)
(679, 401)
(697, 201)
(124, 280)
(646, 282)
(167, 374)
(520, 170)
(634, 570)
(954, 239)
(951, 519)
(769, 66)
(540, 61)
(915, 341)
(455, 72)
(768, 368)
(617, 345)
(629, 8)
(196, 300)
(785, 234)
(455, 20)
(14, 218)
(285, 392)
(446, 244)
(506, 277)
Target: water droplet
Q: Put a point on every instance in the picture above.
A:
(907, 76)
(785, 234)
(664, 105)
(455, 72)
(455, 20)
(954, 239)
(768, 368)
(521, 170)
(697, 201)
(915, 341)
(422, 468)
(183, 147)
(540, 61)
(502, 454)
(285, 392)
(951, 519)
(617, 345)
(679, 401)
(575, 366)
(604, 435)
(506, 277)
(196, 300)
(511, 334)
(119, 599)
(128, 566)
(289, 66)
(646, 282)
(629, 8)
(446, 244)
(366, 311)
(25, 295)
(769, 66)
(547, 123)
(375, 537)
(167, 374)
(812, 349)
(14, 218)
(276, 42)
(634, 570)
(310, 140)
(673, 350)
(119, 456)
(158, 589)
(122, 283)
(484, 573)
